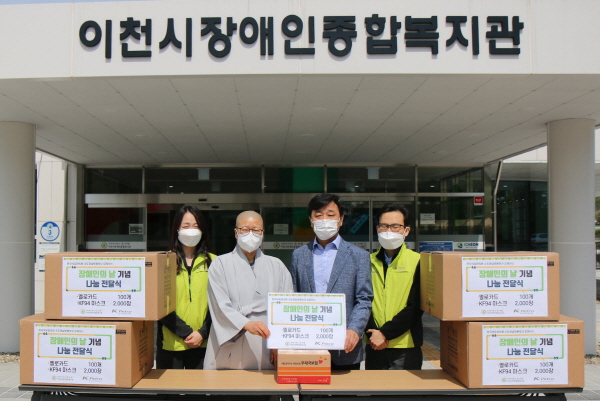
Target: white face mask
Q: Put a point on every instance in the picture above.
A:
(390, 240)
(325, 229)
(190, 236)
(249, 242)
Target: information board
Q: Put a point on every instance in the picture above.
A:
(436, 246)
(307, 321)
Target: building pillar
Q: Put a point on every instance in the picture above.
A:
(571, 218)
(17, 211)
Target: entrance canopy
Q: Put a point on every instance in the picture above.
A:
(163, 82)
(296, 119)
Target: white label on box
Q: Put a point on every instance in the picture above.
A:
(307, 321)
(525, 355)
(504, 286)
(74, 354)
(104, 287)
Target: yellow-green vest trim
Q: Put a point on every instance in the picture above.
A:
(391, 290)
(191, 302)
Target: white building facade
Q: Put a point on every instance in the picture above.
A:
(258, 104)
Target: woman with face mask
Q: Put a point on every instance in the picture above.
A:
(181, 339)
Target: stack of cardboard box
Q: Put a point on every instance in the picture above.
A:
(97, 328)
(501, 324)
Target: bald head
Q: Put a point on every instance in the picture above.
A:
(249, 219)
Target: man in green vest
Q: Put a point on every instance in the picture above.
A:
(395, 329)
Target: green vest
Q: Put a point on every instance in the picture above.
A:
(391, 293)
(191, 302)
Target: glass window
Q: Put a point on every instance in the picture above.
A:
(450, 179)
(113, 181)
(371, 179)
(410, 222)
(203, 180)
(522, 216)
(294, 180)
(115, 229)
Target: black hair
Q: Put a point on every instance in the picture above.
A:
(203, 246)
(394, 207)
(321, 200)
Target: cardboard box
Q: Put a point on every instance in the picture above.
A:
(495, 286)
(303, 366)
(110, 286)
(88, 354)
(514, 354)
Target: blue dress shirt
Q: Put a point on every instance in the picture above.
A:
(323, 259)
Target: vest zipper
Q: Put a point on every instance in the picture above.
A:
(190, 285)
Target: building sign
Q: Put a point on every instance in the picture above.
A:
(469, 245)
(306, 321)
(384, 35)
(116, 245)
(436, 246)
(49, 241)
(49, 231)
(291, 245)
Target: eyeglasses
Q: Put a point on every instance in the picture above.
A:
(385, 227)
(245, 230)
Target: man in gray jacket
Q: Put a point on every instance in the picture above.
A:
(331, 265)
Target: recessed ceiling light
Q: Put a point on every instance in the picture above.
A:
(170, 186)
(141, 135)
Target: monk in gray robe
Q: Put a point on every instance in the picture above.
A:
(238, 285)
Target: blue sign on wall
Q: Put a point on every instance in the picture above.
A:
(435, 246)
(50, 231)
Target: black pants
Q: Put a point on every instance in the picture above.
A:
(192, 358)
(394, 359)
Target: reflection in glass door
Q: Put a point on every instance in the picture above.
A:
(221, 223)
(406, 202)
(455, 220)
(288, 227)
(115, 229)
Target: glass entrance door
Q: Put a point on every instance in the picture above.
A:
(220, 221)
(287, 226)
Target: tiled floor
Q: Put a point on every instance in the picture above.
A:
(9, 383)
